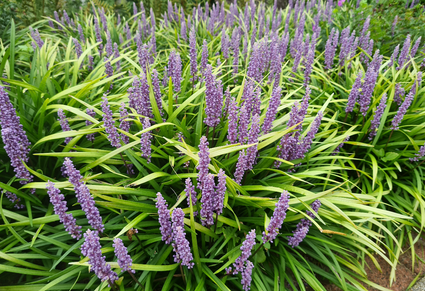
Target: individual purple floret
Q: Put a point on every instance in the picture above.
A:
(277, 219)
(15, 140)
(64, 124)
(339, 147)
(247, 245)
(193, 54)
(404, 53)
(175, 70)
(220, 192)
(190, 193)
(124, 125)
(402, 110)
(181, 248)
(91, 248)
(164, 219)
(177, 218)
(303, 226)
(241, 167)
(146, 141)
(83, 196)
(377, 118)
(207, 200)
(272, 109)
(108, 121)
(124, 259)
(59, 206)
(204, 160)
(420, 154)
(90, 112)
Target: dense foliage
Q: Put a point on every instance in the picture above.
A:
(224, 148)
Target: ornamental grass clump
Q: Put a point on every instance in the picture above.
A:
(209, 129)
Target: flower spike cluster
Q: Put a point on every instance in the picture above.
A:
(277, 219)
(109, 123)
(164, 219)
(180, 243)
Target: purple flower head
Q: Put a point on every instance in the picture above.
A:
(157, 90)
(59, 206)
(225, 43)
(164, 219)
(181, 248)
(369, 84)
(354, 93)
(402, 110)
(330, 49)
(399, 91)
(177, 218)
(272, 109)
(142, 53)
(243, 125)
(109, 71)
(235, 47)
(220, 192)
(204, 56)
(116, 56)
(91, 249)
(124, 125)
(90, 112)
(394, 55)
(308, 140)
(204, 160)
(15, 141)
(393, 25)
(108, 46)
(51, 24)
(277, 219)
(134, 9)
(417, 84)
(415, 47)
(175, 70)
(420, 154)
(241, 167)
(246, 276)
(108, 121)
(232, 130)
(90, 66)
(207, 200)
(146, 141)
(377, 118)
(36, 37)
(64, 124)
(303, 226)
(309, 62)
(190, 193)
(98, 35)
(193, 54)
(253, 135)
(124, 259)
(213, 98)
(404, 53)
(78, 49)
(247, 245)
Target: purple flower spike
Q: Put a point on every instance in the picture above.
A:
(91, 249)
(146, 141)
(354, 93)
(109, 71)
(59, 206)
(64, 124)
(399, 91)
(181, 248)
(247, 245)
(277, 219)
(190, 192)
(193, 54)
(404, 53)
(272, 109)
(339, 147)
(330, 49)
(213, 98)
(402, 110)
(394, 55)
(419, 154)
(220, 192)
(110, 128)
(232, 130)
(83, 195)
(308, 140)
(207, 200)
(157, 90)
(377, 118)
(175, 70)
(225, 43)
(204, 57)
(243, 125)
(204, 160)
(246, 276)
(108, 46)
(98, 35)
(15, 140)
(164, 219)
(78, 49)
(241, 167)
(90, 112)
(14, 199)
(253, 134)
(303, 226)
(124, 259)
(124, 125)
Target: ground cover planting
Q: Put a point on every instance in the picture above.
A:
(222, 147)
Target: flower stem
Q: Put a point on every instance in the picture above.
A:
(135, 279)
(262, 245)
(391, 134)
